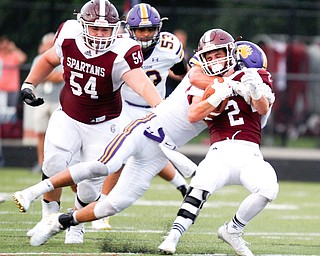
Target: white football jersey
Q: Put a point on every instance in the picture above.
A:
(173, 116)
(167, 52)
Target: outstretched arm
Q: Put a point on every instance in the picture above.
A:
(141, 84)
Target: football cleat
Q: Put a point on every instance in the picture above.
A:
(75, 234)
(101, 224)
(38, 226)
(235, 241)
(169, 245)
(51, 226)
(47, 208)
(21, 201)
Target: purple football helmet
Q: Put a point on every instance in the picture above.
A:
(144, 16)
(250, 55)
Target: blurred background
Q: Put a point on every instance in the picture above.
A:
(288, 31)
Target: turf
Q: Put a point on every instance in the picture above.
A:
(288, 226)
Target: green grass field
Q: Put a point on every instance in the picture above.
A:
(289, 226)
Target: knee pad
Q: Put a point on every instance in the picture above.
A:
(54, 164)
(87, 192)
(87, 170)
(192, 203)
(270, 191)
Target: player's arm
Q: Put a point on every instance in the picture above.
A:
(39, 71)
(253, 81)
(198, 78)
(55, 76)
(43, 67)
(179, 70)
(141, 84)
(199, 109)
(261, 105)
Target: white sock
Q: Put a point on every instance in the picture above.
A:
(39, 189)
(50, 207)
(178, 180)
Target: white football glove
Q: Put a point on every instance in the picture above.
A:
(242, 90)
(222, 91)
(251, 79)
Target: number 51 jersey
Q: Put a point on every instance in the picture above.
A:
(167, 52)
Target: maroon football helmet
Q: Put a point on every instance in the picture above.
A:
(212, 40)
(99, 13)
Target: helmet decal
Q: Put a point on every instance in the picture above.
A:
(250, 55)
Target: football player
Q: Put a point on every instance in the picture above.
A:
(95, 65)
(235, 133)
(162, 51)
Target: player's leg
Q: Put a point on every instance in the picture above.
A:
(183, 164)
(41, 119)
(211, 175)
(108, 184)
(59, 147)
(260, 179)
(131, 185)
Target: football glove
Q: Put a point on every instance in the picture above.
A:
(222, 91)
(28, 97)
(242, 90)
(250, 80)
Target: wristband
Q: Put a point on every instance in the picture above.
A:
(214, 100)
(27, 85)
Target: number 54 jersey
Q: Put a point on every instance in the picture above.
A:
(167, 52)
(91, 93)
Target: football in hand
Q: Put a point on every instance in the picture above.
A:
(208, 92)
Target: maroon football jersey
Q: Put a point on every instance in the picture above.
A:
(91, 93)
(239, 120)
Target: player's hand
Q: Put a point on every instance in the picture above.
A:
(28, 97)
(242, 90)
(223, 90)
(250, 80)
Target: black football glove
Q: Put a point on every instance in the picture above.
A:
(28, 97)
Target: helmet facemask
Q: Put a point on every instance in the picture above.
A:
(221, 65)
(149, 42)
(99, 14)
(99, 43)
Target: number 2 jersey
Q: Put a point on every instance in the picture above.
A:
(167, 52)
(91, 93)
(239, 120)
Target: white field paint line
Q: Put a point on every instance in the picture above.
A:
(299, 217)
(59, 253)
(133, 230)
(119, 254)
(215, 204)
